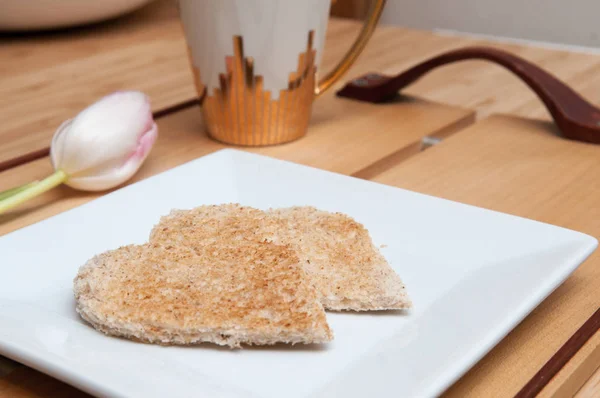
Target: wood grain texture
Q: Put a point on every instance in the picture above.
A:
(591, 388)
(490, 89)
(28, 383)
(341, 138)
(345, 144)
(519, 167)
(181, 138)
(576, 118)
(479, 85)
(575, 374)
(48, 78)
(52, 76)
(559, 359)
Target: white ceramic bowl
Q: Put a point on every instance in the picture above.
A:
(22, 15)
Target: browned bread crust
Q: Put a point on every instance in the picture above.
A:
(225, 293)
(337, 253)
(346, 268)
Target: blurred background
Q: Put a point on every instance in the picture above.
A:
(572, 23)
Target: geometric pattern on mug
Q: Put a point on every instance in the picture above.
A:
(241, 112)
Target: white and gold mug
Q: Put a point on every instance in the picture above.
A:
(255, 64)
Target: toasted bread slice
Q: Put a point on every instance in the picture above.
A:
(348, 271)
(210, 224)
(228, 294)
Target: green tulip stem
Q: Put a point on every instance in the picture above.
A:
(15, 190)
(57, 178)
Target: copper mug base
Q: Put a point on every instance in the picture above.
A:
(240, 112)
(272, 106)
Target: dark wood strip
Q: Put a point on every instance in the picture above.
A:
(28, 157)
(397, 157)
(40, 153)
(561, 357)
(176, 108)
(27, 382)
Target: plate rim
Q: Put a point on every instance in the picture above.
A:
(587, 245)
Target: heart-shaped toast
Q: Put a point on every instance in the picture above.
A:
(347, 270)
(226, 292)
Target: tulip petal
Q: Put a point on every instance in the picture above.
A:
(118, 176)
(57, 145)
(104, 181)
(105, 133)
(106, 143)
(145, 143)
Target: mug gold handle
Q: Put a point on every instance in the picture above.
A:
(359, 44)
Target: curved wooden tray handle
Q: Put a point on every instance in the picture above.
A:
(576, 118)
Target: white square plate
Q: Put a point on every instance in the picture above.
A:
(473, 275)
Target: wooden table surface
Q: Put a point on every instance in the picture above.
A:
(514, 164)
